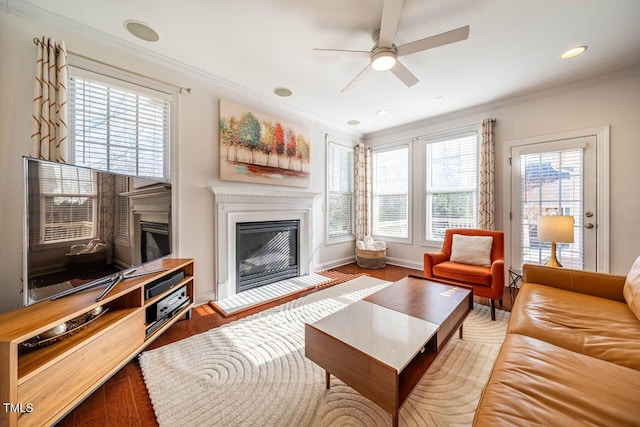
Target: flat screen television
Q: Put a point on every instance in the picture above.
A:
(86, 228)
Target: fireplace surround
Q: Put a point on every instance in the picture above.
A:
(237, 206)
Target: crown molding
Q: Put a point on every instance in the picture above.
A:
(29, 11)
(507, 101)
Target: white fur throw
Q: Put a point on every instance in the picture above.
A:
(475, 250)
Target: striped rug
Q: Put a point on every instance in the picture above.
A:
(253, 372)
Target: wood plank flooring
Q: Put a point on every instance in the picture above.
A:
(123, 399)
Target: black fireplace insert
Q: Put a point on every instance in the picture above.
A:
(266, 252)
(154, 240)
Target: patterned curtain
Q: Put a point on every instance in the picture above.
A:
(362, 171)
(106, 211)
(49, 137)
(487, 199)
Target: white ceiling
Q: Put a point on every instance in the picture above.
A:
(513, 48)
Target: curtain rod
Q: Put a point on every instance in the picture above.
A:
(181, 89)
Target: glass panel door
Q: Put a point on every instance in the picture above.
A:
(554, 178)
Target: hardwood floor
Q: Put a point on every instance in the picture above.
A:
(123, 399)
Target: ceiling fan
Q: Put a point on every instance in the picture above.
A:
(384, 54)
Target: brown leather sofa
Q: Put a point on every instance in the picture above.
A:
(571, 355)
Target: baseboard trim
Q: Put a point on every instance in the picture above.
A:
(405, 263)
(334, 264)
(210, 296)
(348, 260)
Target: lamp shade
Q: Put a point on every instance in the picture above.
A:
(555, 228)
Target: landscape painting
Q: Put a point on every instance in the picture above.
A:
(258, 147)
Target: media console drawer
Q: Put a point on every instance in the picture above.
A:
(51, 390)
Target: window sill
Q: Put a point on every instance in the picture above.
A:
(434, 244)
(392, 239)
(59, 245)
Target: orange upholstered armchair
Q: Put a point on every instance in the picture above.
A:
(487, 280)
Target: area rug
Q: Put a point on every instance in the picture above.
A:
(253, 372)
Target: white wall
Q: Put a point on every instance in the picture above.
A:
(612, 99)
(197, 148)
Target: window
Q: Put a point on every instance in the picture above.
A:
(68, 201)
(451, 184)
(340, 197)
(390, 195)
(118, 127)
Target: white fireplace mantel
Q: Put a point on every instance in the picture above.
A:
(233, 206)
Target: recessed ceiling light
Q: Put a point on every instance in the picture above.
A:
(573, 52)
(141, 30)
(383, 112)
(353, 122)
(282, 91)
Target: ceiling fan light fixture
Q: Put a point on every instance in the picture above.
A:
(383, 61)
(573, 52)
(383, 56)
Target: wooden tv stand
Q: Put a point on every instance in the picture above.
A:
(39, 386)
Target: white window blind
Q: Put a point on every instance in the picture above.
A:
(340, 187)
(390, 195)
(451, 184)
(68, 202)
(121, 231)
(118, 129)
(552, 183)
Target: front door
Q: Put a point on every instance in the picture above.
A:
(554, 178)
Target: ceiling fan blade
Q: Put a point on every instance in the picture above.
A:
(442, 39)
(390, 17)
(404, 74)
(366, 70)
(341, 52)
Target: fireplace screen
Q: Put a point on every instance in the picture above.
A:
(266, 252)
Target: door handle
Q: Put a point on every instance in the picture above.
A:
(588, 225)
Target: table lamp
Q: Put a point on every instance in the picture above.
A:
(555, 229)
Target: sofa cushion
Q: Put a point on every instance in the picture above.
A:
(631, 290)
(593, 326)
(474, 250)
(463, 272)
(537, 383)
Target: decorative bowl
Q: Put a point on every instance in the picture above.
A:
(55, 331)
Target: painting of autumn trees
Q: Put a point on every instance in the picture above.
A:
(256, 147)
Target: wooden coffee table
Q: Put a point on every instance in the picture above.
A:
(382, 346)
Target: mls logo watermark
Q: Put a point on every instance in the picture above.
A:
(22, 408)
